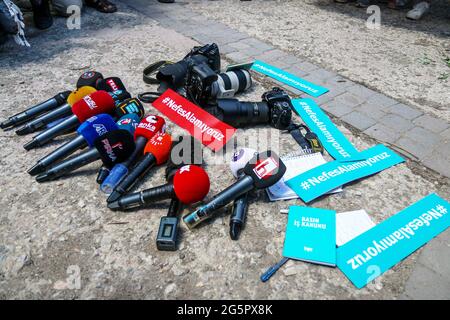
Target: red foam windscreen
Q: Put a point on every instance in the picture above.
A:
(149, 126)
(159, 145)
(93, 104)
(191, 184)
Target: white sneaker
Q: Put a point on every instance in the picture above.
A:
(418, 10)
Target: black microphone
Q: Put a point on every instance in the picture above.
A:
(112, 147)
(181, 188)
(262, 171)
(35, 111)
(58, 113)
(91, 105)
(88, 131)
(156, 152)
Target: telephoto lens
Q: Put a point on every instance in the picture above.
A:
(230, 83)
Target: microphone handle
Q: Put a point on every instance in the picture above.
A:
(47, 135)
(139, 199)
(66, 149)
(175, 207)
(36, 110)
(140, 145)
(136, 174)
(239, 209)
(45, 119)
(70, 165)
(243, 185)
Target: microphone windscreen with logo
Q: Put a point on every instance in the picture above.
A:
(79, 93)
(127, 106)
(95, 127)
(93, 104)
(114, 146)
(191, 184)
(159, 145)
(239, 159)
(129, 122)
(89, 78)
(265, 168)
(149, 126)
(111, 84)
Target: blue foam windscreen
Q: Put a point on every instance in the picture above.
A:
(129, 122)
(95, 127)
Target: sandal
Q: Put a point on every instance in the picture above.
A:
(102, 5)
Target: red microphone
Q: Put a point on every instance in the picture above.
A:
(91, 105)
(190, 184)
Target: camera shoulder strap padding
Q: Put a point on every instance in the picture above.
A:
(149, 73)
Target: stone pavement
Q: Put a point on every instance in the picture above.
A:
(417, 135)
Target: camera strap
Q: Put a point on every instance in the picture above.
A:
(149, 73)
(307, 140)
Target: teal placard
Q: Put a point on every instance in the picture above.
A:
(318, 181)
(336, 144)
(288, 78)
(372, 253)
(311, 235)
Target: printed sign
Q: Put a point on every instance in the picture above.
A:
(288, 78)
(336, 144)
(384, 245)
(319, 180)
(209, 130)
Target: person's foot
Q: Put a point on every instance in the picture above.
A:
(418, 10)
(363, 3)
(41, 14)
(102, 5)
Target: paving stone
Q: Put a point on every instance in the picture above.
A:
(358, 120)
(259, 44)
(438, 162)
(396, 122)
(413, 147)
(292, 60)
(431, 123)
(224, 49)
(307, 66)
(238, 57)
(240, 45)
(437, 258)
(271, 56)
(337, 109)
(404, 111)
(423, 136)
(418, 285)
(444, 237)
(321, 74)
(371, 111)
(349, 99)
(382, 133)
(361, 91)
(296, 71)
(446, 134)
(381, 100)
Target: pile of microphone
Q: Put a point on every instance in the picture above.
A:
(113, 128)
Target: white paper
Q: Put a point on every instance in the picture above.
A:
(351, 224)
(294, 167)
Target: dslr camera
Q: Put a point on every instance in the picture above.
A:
(274, 109)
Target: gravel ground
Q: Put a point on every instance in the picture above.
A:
(46, 229)
(404, 59)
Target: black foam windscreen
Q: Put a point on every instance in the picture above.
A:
(115, 146)
(89, 78)
(131, 105)
(111, 84)
(265, 168)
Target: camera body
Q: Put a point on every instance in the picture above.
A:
(280, 107)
